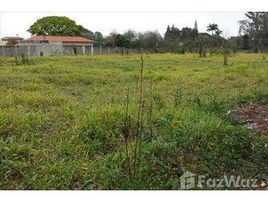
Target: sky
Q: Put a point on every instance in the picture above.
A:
(13, 23)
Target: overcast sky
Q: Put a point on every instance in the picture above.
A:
(12, 23)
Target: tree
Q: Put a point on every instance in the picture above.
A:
(188, 33)
(212, 28)
(109, 40)
(177, 40)
(172, 38)
(86, 33)
(245, 42)
(121, 41)
(130, 35)
(55, 25)
(195, 26)
(98, 37)
(152, 40)
(256, 27)
(218, 32)
(139, 41)
(236, 43)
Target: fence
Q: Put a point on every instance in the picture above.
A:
(44, 50)
(58, 49)
(98, 50)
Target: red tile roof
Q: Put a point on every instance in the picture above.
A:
(63, 39)
(11, 38)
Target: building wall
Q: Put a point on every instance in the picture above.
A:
(3, 43)
(58, 49)
(40, 49)
(36, 49)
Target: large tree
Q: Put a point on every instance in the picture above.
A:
(55, 25)
(213, 28)
(121, 41)
(256, 27)
(152, 40)
(86, 33)
(172, 38)
(130, 35)
(98, 38)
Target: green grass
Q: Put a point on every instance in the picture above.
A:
(61, 120)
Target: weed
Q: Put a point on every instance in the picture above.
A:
(177, 97)
(23, 60)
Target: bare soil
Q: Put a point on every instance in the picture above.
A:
(253, 116)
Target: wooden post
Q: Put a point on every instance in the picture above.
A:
(108, 50)
(100, 49)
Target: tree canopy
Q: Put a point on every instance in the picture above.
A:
(256, 27)
(55, 25)
(213, 28)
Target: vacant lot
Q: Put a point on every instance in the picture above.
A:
(63, 120)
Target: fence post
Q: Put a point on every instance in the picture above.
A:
(3, 49)
(92, 49)
(108, 50)
(83, 50)
(16, 50)
(28, 50)
(100, 49)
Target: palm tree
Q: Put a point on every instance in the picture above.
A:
(212, 28)
(218, 32)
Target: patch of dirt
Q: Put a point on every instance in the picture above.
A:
(253, 116)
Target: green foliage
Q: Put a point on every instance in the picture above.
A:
(177, 97)
(255, 31)
(121, 41)
(55, 25)
(213, 28)
(175, 38)
(23, 60)
(98, 37)
(159, 101)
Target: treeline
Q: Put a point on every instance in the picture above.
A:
(174, 40)
(253, 32)
(253, 36)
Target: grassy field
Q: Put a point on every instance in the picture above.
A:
(63, 120)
